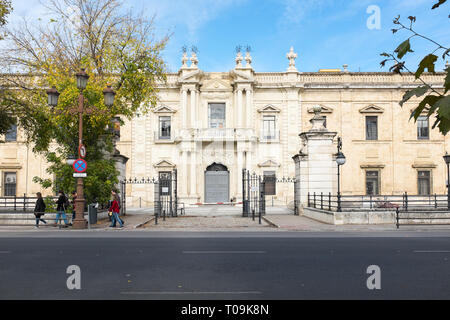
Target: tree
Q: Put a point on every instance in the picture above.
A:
(435, 102)
(5, 118)
(115, 47)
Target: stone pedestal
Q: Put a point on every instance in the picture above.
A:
(315, 167)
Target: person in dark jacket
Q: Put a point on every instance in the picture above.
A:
(61, 208)
(39, 209)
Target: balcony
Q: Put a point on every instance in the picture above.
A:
(215, 134)
(269, 137)
(164, 139)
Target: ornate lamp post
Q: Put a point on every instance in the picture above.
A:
(447, 161)
(340, 160)
(82, 80)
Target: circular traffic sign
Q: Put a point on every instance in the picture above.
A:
(80, 166)
(82, 151)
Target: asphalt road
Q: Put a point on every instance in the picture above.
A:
(120, 265)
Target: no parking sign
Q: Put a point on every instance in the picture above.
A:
(80, 166)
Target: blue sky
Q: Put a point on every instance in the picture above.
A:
(324, 33)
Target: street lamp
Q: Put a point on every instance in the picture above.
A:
(109, 94)
(447, 161)
(340, 160)
(53, 96)
(82, 79)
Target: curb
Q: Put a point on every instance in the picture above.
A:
(143, 223)
(270, 222)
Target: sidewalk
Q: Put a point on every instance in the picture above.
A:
(301, 223)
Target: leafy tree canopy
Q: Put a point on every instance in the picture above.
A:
(435, 102)
(116, 47)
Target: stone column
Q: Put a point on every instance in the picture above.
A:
(184, 108)
(249, 105)
(240, 164)
(193, 192)
(239, 109)
(184, 173)
(315, 165)
(248, 164)
(193, 108)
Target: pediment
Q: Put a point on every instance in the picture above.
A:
(269, 163)
(192, 76)
(164, 109)
(164, 164)
(371, 109)
(216, 85)
(240, 76)
(325, 109)
(269, 109)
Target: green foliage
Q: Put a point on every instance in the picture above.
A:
(116, 48)
(435, 102)
(50, 205)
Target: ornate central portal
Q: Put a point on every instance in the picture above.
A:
(217, 184)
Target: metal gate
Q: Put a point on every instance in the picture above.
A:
(253, 194)
(166, 198)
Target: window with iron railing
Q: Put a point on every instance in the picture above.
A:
(372, 183)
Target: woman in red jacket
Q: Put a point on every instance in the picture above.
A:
(115, 209)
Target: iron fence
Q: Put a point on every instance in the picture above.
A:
(403, 202)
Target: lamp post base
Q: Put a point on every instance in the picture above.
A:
(79, 224)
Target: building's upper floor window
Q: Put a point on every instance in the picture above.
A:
(372, 183)
(216, 116)
(423, 131)
(371, 128)
(424, 183)
(11, 134)
(9, 182)
(165, 127)
(269, 127)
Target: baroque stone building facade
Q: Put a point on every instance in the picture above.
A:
(223, 122)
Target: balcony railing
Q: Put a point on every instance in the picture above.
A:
(164, 138)
(269, 137)
(216, 134)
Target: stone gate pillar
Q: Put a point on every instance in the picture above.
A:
(314, 164)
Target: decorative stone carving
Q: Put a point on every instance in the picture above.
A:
(184, 60)
(291, 57)
(194, 61)
(318, 121)
(239, 60)
(248, 59)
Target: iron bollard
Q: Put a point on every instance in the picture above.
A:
(396, 214)
(164, 215)
(259, 215)
(253, 214)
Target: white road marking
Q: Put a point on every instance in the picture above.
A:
(431, 251)
(190, 292)
(226, 252)
(5, 251)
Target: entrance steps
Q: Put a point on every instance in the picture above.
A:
(228, 210)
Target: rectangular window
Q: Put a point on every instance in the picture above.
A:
(371, 128)
(423, 131)
(164, 127)
(9, 181)
(11, 134)
(372, 183)
(424, 183)
(216, 115)
(270, 180)
(269, 127)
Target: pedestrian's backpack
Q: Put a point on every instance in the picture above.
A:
(67, 203)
